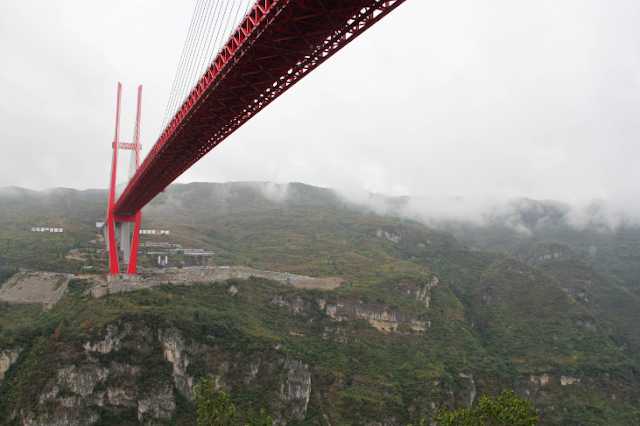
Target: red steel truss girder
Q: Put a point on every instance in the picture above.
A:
(127, 145)
(277, 44)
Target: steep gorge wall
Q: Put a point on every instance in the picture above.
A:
(112, 373)
(328, 355)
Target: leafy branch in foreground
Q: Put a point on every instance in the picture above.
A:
(506, 410)
(259, 419)
(214, 409)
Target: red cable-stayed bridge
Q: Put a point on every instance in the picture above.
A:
(276, 44)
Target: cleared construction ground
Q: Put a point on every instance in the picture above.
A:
(34, 288)
(49, 288)
(205, 274)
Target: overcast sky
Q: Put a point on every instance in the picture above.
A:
(495, 99)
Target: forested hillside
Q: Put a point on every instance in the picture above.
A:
(425, 316)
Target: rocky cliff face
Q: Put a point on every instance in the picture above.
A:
(96, 385)
(396, 238)
(7, 358)
(79, 393)
(380, 317)
(142, 368)
(297, 389)
(421, 292)
(176, 352)
(349, 356)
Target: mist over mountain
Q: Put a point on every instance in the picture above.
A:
(524, 215)
(520, 214)
(437, 301)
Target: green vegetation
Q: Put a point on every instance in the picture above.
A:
(214, 409)
(19, 324)
(422, 319)
(506, 410)
(353, 365)
(6, 273)
(259, 419)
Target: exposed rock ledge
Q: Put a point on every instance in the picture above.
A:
(379, 317)
(8, 357)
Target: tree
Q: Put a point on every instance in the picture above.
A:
(260, 419)
(506, 410)
(213, 409)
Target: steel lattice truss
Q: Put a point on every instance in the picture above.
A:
(277, 44)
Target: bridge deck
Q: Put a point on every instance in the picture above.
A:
(277, 44)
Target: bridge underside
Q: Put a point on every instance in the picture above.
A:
(277, 44)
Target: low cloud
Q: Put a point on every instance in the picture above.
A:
(523, 215)
(272, 191)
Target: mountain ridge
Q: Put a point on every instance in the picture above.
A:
(423, 318)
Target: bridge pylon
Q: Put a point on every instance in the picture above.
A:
(119, 222)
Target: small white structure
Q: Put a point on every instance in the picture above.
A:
(39, 229)
(153, 232)
(198, 253)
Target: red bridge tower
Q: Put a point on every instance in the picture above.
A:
(115, 222)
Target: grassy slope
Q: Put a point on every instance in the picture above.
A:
(20, 210)
(617, 255)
